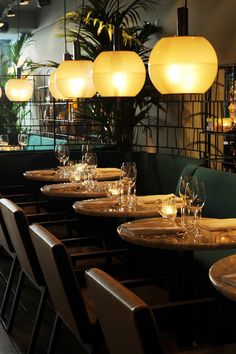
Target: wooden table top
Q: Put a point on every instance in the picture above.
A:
(106, 207)
(52, 175)
(222, 274)
(158, 233)
(74, 190)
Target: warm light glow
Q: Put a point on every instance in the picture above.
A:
(52, 87)
(0, 92)
(74, 79)
(119, 73)
(183, 64)
(19, 89)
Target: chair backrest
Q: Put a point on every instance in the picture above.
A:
(17, 226)
(61, 282)
(127, 322)
(4, 237)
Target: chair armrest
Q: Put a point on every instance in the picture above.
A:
(45, 216)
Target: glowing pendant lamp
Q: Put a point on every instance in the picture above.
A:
(119, 73)
(74, 79)
(183, 64)
(19, 89)
(52, 87)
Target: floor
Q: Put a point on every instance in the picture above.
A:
(16, 342)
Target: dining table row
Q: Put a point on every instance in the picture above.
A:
(156, 235)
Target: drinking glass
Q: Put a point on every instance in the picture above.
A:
(90, 161)
(62, 153)
(181, 190)
(23, 140)
(197, 204)
(128, 181)
(85, 148)
(4, 141)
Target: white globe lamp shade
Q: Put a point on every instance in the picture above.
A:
(183, 64)
(52, 87)
(19, 89)
(119, 74)
(74, 79)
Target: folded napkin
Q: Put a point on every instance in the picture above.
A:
(150, 199)
(100, 202)
(108, 170)
(218, 224)
(42, 172)
(64, 186)
(229, 279)
(154, 226)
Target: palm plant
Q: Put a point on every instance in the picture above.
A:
(12, 113)
(92, 26)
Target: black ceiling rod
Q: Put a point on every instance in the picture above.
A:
(182, 20)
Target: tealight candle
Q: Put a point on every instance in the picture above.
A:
(169, 211)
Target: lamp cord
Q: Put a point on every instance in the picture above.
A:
(186, 3)
(65, 37)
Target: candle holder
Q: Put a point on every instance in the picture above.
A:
(167, 208)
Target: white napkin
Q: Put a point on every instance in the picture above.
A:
(100, 202)
(218, 224)
(107, 170)
(41, 172)
(154, 226)
(151, 199)
(64, 186)
(229, 279)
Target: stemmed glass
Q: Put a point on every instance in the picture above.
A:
(62, 153)
(197, 203)
(90, 161)
(182, 194)
(23, 140)
(4, 140)
(128, 181)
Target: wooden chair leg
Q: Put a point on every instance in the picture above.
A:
(38, 320)
(15, 303)
(8, 287)
(55, 331)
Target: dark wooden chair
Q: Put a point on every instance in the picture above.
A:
(17, 229)
(130, 325)
(71, 302)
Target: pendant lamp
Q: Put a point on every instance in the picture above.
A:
(183, 64)
(19, 89)
(74, 78)
(119, 73)
(52, 87)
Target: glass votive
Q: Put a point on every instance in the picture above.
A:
(167, 208)
(77, 173)
(113, 190)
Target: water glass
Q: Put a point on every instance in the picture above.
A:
(23, 140)
(4, 140)
(62, 153)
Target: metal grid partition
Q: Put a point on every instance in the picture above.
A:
(188, 125)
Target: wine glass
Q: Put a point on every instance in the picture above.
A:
(128, 181)
(4, 140)
(181, 191)
(23, 140)
(197, 204)
(85, 148)
(90, 161)
(62, 153)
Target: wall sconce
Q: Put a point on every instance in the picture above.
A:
(183, 64)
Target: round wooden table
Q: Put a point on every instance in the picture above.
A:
(222, 274)
(156, 232)
(52, 175)
(74, 190)
(105, 207)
